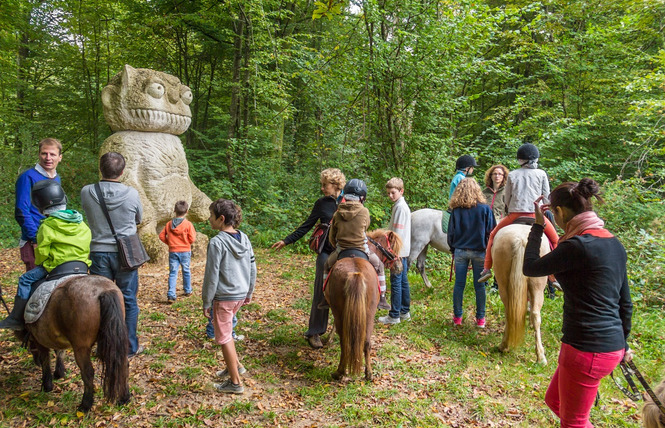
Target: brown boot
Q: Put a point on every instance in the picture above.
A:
(315, 341)
(383, 303)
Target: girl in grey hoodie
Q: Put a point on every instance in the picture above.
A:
(228, 284)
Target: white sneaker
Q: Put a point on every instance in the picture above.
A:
(389, 320)
(225, 373)
(405, 317)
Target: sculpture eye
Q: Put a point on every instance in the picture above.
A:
(155, 90)
(186, 96)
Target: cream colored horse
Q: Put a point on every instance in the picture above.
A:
(516, 289)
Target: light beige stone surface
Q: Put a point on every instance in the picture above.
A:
(148, 109)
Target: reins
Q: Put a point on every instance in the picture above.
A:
(387, 253)
(629, 369)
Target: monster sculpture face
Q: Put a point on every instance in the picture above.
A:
(140, 99)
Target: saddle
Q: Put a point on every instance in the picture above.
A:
(42, 289)
(528, 221)
(445, 219)
(352, 252)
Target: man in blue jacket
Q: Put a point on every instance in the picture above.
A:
(27, 215)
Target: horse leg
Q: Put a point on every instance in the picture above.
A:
(43, 357)
(536, 296)
(368, 360)
(341, 368)
(420, 265)
(59, 372)
(82, 355)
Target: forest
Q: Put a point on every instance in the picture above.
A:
(378, 88)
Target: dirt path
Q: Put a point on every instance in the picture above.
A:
(288, 383)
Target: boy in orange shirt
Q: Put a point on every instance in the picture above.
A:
(179, 234)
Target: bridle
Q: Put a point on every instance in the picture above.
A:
(629, 369)
(388, 257)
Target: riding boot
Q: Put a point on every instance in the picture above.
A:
(383, 303)
(15, 320)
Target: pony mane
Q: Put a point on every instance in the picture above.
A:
(393, 238)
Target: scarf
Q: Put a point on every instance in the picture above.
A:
(580, 223)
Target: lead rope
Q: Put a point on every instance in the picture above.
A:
(628, 369)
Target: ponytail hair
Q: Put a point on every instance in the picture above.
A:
(576, 196)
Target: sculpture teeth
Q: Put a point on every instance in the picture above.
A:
(162, 116)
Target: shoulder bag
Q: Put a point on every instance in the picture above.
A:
(319, 236)
(131, 252)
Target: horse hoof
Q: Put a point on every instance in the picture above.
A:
(83, 408)
(124, 400)
(542, 361)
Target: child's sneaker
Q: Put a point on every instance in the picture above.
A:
(485, 275)
(238, 337)
(457, 320)
(389, 320)
(480, 322)
(222, 374)
(229, 387)
(405, 317)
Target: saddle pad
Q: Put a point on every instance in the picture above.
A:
(40, 298)
(445, 218)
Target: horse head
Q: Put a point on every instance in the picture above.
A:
(386, 244)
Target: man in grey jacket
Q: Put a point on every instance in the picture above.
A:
(125, 209)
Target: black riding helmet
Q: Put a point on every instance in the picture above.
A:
(356, 187)
(46, 194)
(465, 161)
(528, 151)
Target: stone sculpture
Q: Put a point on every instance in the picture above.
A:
(147, 110)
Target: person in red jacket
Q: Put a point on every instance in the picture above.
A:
(179, 234)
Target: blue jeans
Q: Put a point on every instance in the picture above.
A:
(210, 330)
(108, 265)
(179, 260)
(25, 281)
(400, 293)
(462, 259)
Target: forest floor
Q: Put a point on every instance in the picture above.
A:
(427, 373)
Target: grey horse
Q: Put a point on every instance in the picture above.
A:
(426, 231)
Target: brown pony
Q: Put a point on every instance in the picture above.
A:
(81, 311)
(514, 287)
(352, 290)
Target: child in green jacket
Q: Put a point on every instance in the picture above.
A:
(62, 237)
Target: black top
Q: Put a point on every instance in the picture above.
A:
(323, 210)
(597, 308)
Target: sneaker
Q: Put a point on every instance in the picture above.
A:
(389, 320)
(222, 374)
(229, 387)
(480, 322)
(188, 294)
(457, 320)
(139, 350)
(238, 337)
(171, 300)
(485, 275)
(405, 317)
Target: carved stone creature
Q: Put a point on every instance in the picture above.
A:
(147, 110)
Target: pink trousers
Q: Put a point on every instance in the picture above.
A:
(574, 385)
